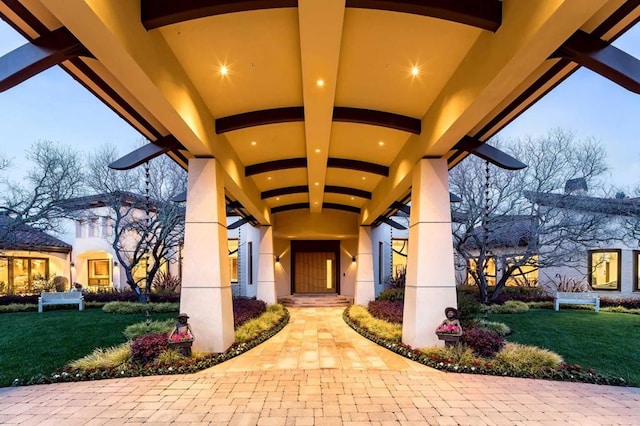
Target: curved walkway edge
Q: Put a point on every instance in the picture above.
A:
(319, 371)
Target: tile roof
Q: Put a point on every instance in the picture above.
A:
(17, 236)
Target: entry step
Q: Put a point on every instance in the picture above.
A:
(315, 300)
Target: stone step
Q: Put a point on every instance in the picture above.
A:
(307, 301)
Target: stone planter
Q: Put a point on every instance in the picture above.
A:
(183, 347)
(449, 339)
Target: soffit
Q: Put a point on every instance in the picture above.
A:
(261, 50)
(379, 50)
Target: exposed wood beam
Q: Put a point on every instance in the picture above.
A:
(41, 54)
(241, 222)
(402, 207)
(485, 14)
(391, 223)
(146, 153)
(284, 191)
(259, 118)
(602, 58)
(342, 207)
(377, 118)
(489, 153)
(333, 189)
(180, 198)
(362, 166)
(297, 113)
(296, 206)
(272, 166)
(158, 13)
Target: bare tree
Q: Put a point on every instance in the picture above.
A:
(56, 175)
(148, 226)
(524, 217)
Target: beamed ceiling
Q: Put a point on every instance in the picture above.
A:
(401, 81)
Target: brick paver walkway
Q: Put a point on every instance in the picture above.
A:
(318, 371)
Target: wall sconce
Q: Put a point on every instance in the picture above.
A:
(353, 259)
(277, 259)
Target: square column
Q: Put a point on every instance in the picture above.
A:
(206, 285)
(266, 272)
(365, 290)
(430, 281)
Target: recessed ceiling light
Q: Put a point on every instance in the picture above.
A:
(224, 70)
(364, 178)
(353, 198)
(315, 203)
(320, 83)
(317, 150)
(415, 70)
(317, 183)
(381, 143)
(268, 177)
(254, 143)
(277, 198)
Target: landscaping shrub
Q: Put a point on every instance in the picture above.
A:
(509, 307)
(392, 294)
(169, 356)
(499, 327)
(385, 330)
(469, 309)
(454, 354)
(125, 296)
(11, 299)
(387, 310)
(254, 327)
(521, 293)
(139, 308)
(627, 302)
(147, 348)
(621, 310)
(165, 283)
(524, 359)
(17, 307)
(540, 305)
(484, 343)
(110, 357)
(245, 309)
(139, 329)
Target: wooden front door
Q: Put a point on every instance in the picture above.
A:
(315, 266)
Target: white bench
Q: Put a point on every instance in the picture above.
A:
(577, 298)
(61, 298)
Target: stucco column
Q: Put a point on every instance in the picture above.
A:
(266, 275)
(365, 291)
(430, 280)
(206, 285)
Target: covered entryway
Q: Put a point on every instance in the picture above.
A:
(315, 267)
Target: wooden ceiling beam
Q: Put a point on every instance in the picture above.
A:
(43, 53)
(602, 58)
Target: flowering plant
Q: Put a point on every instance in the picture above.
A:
(445, 328)
(181, 337)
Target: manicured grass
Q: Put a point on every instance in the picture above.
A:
(32, 343)
(607, 342)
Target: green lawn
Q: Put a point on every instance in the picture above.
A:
(32, 343)
(607, 342)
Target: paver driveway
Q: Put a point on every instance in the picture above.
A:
(318, 371)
